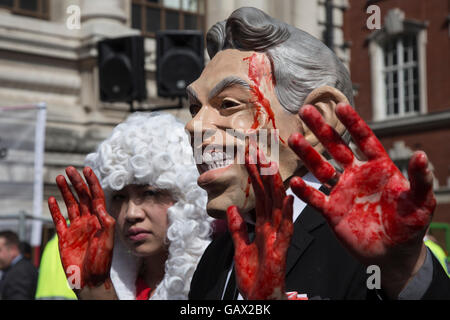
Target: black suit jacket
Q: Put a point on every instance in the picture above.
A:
(317, 264)
(19, 282)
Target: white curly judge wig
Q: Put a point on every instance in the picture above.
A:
(153, 149)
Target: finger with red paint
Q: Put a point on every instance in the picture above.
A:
(329, 138)
(268, 211)
(98, 198)
(420, 177)
(312, 159)
(270, 188)
(278, 195)
(72, 205)
(237, 228)
(315, 198)
(362, 135)
(244, 251)
(81, 189)
(103, 244)
(258, 186)
(58, 219)
(286, 226)
(260, 265)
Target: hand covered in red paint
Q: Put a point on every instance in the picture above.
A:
(378, 214)
(260, 265)
(86, 245)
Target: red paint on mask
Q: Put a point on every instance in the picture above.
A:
(257, 71)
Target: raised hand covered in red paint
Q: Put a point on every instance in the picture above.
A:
(375, 211)
(260, 265)
(86, 245)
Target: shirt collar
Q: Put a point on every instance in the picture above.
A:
(298, 204)
(16, 259)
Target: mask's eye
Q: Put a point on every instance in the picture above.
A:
(227, 103)
(194, 109)
(150, 193)
(118, 197)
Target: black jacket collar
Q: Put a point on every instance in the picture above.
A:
(309, 220)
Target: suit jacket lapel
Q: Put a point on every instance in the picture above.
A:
(301, 239)
(225, 259)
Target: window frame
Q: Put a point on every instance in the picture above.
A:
(201, 17)
(400, 68)
(39, 14)
(396, 25)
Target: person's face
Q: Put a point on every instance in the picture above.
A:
(5, 254)
(236, 91)
(141, 218)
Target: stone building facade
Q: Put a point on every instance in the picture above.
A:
(45, 57)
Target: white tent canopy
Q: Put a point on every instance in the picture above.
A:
(22, 142)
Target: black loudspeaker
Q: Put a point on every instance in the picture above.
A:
(179, 60)
(121, 69)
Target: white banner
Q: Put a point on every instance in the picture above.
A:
(22, 143)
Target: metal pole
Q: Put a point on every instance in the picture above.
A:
(22, 226)
(329, 24)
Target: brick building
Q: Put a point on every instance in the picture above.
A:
(400, 69)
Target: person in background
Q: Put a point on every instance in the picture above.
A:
(140, 228)
(19, 275)
(438, 252)
(25, 250)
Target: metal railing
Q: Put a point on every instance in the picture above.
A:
(22, 218)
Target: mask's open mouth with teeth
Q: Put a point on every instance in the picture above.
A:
(215, 159)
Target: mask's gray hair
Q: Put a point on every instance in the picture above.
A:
(301, 63)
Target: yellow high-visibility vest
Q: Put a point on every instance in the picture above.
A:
(438, 253)
(52, 282)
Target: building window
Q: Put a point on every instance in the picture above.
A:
(33, 8)
(398, 67)
(401, 76)
(150, 16)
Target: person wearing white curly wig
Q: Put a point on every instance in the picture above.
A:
(142, 183)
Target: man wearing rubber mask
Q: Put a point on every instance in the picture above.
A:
(296, 223)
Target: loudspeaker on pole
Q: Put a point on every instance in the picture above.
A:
(121, 66)
(179, 60)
